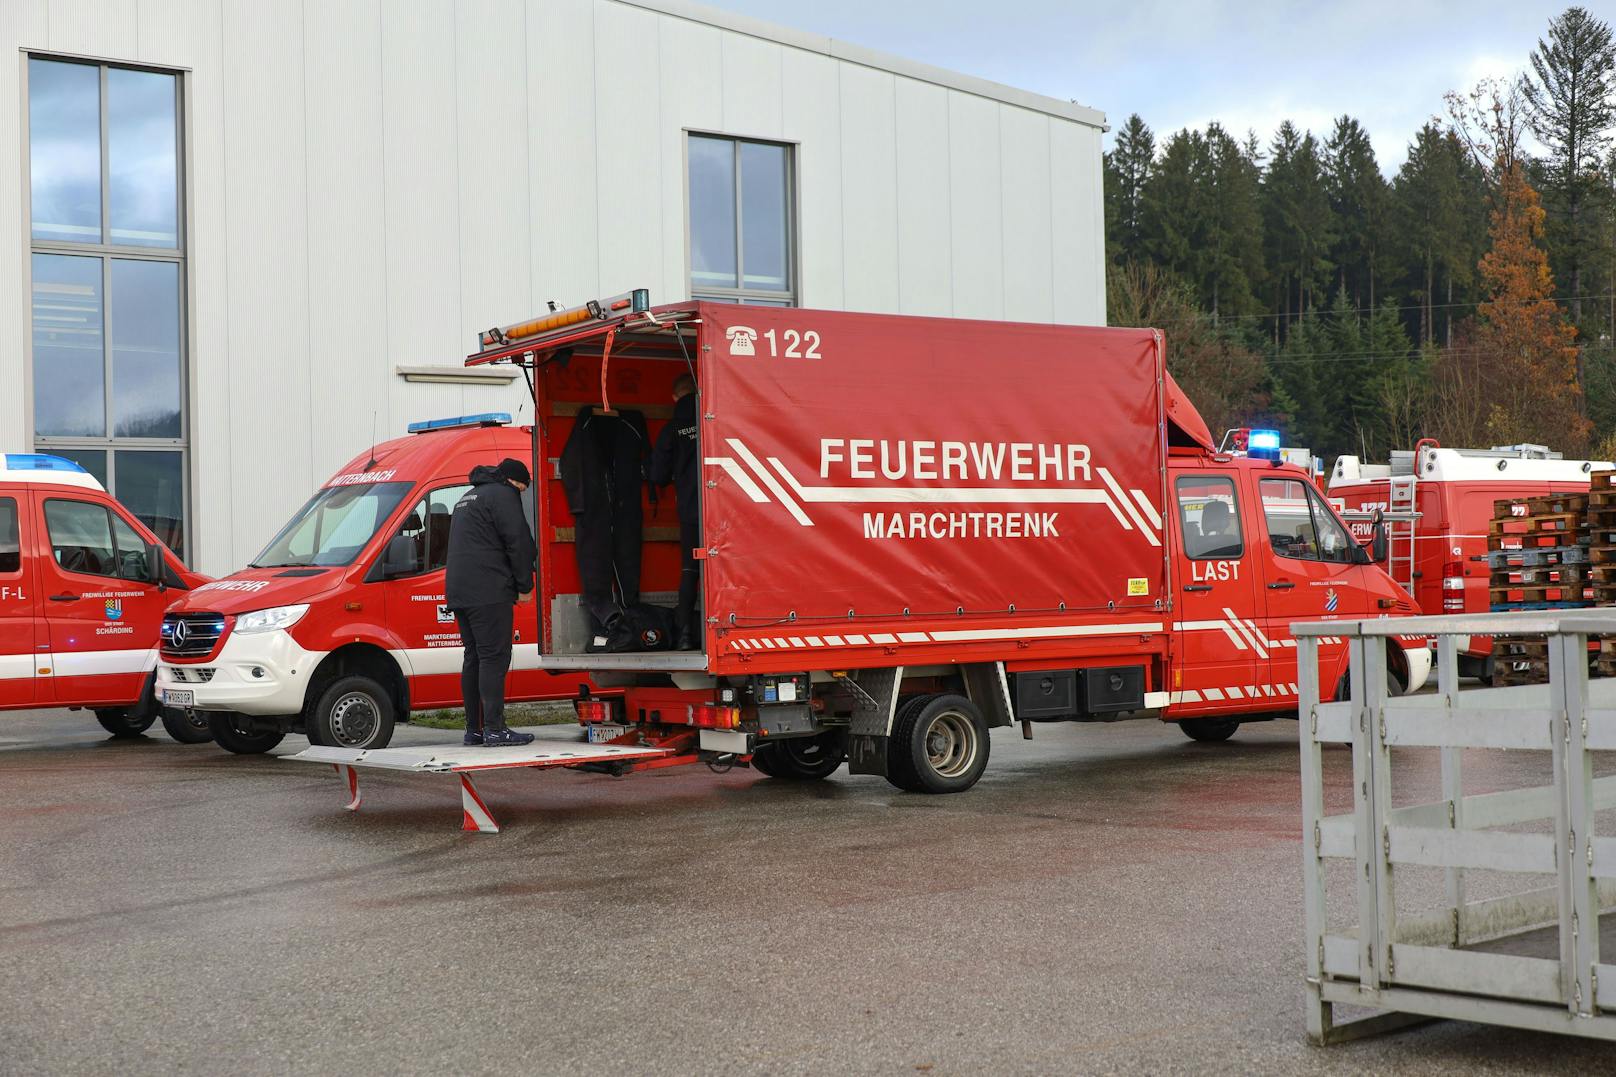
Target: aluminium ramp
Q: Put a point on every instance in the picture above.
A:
(464, 761)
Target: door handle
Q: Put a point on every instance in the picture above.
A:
(64, 597)
(1281, 585)
(1197, 587)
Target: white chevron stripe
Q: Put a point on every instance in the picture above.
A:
(742, 479)
(770, 481)
(1117, 492)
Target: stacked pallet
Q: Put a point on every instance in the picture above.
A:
(1539, 554)
(1602, 556)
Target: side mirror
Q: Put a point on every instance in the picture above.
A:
(1379, 542)
(156, 567)
(399, 558)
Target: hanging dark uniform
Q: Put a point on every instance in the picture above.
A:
(602, 472)
(676, 460)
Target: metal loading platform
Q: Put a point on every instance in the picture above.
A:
(1497, 946)
(465, 761)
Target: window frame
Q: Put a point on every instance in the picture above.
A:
(107, 252)
(1234, 493)
(1315, 503)
(426, 530)
(112, 536)
(790, 296)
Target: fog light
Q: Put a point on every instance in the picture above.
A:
(258, 671)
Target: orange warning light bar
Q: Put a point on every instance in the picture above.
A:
(596, 309)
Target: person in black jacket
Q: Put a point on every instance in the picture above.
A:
(491, 557)
(675, 460)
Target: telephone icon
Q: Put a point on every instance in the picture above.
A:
(742, 340)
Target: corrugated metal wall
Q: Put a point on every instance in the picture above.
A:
(370, 182)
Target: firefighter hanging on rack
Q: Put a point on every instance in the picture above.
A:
(675, 460)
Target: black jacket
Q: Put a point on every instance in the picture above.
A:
(491, 550)
(674, 459)
(603, 462)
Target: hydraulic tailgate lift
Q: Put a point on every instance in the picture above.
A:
(465, 761)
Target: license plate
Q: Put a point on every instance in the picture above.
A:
(179, 697)
(600, 734)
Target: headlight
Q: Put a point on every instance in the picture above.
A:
(271, 619)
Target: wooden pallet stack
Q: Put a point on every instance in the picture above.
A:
(1539, 554)
(1602, 557)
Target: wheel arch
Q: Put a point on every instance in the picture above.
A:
(360, 659)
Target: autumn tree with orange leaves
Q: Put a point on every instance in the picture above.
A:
(1513, 377)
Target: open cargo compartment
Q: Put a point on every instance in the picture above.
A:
(870, 484)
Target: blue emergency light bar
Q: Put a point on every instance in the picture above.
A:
(1263, 444)
(487, 418)
(33, 461)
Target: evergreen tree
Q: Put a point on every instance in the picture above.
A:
(1570, 96)
(1299, 224)
(1127, 171)
(1358, 197)
(1231, 267)
(1174, 214)
(1438, 218)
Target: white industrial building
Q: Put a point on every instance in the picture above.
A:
(252, 231)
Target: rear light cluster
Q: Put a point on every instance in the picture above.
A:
(715, 716)
(1453, 586)
(593, 710)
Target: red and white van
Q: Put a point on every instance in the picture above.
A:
(338, 628)
(915, 529)
(1448, 499)
(83, 587)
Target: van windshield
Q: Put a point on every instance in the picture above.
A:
(333, 526)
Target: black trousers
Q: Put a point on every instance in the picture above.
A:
(486, 633)
(684, 615)
(608, 542)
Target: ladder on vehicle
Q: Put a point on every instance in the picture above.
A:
(1400, 520)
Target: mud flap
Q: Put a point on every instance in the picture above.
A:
(987, 687)
(867, 755)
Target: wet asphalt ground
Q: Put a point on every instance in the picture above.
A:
(1109, 899)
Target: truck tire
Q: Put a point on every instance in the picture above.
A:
(236, 736)
(353, 712)
(123, 723)
(1209, 729)
(187, 727)
(939, 744)
(803, 759)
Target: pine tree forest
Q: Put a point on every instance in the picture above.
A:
(1470, 296)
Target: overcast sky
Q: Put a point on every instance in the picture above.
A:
(1249, 64)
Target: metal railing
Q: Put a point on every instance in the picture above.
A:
(1523, 958)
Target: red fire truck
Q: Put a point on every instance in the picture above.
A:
(1443, 503)
(916, 529)
(338, 629)
(83, 586)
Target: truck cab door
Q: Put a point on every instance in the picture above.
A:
(1217, 660)
(414, 598)
(102, 615)
(19, 606)
(1309, 575)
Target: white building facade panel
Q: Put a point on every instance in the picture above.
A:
(367, 184)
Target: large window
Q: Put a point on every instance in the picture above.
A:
(1299, 524)
(742, 221)
(108, 281)
(1209, 514)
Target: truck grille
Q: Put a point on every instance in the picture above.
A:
(191, 634)
(191, 674)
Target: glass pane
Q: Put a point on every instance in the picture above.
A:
(92, 460)
(1290, 523)
(440, 507)
(64, 150)
(333, 526)
(142, 160)
(763, 216)
(69, 371)
(1334, 543)
(712, 212)
(80, 537)
(10, 545)
(152, 486)
(145, 303)
(1210, 516)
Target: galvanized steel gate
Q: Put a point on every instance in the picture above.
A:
(1527, 958)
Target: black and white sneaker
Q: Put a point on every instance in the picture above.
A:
(505, 738)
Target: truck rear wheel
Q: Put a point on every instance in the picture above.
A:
(234, 733)
(939, 744)
(354, 712)
(186, 726)
(802, 759)
(1209, 729)
(125, 723)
